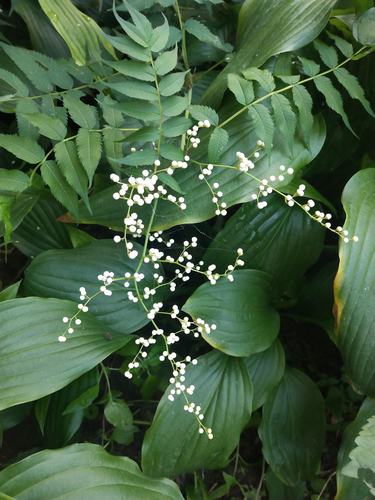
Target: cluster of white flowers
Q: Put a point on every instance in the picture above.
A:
(193, 132)
(74, 320)
(146, 188)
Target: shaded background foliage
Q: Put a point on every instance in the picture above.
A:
(289, 413)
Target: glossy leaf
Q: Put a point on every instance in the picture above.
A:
(349, 488)
(49, 126)
(217, 144)
(364, 27)
(246, 322)
(32, 361)
(354, 283)
(241, 88)
(173, 446)
(293, 428)
(237, 187)
(278, 239)
(171, 84)
(333, 98)
(58, 425)
(89, 148)
(13, 181)
(22, 147)
(265, 370)
(59, 186)
(10, 292)
(72, 169)
(60, 274)
(118, 414)
(82, 114)
(82, 472)
(268, 28)
(40, 229)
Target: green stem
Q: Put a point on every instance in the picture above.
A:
(104, 372)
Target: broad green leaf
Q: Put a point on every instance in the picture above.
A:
(113, 147)
(177, 126)
(60, 274)
(262, 76)
(277, 490)
(80, 32)
(237, 187)
(265, 370)
(13, 181)
(174, 105)
(13, 416)
(268, 28)
(285, 119)
(217, 144)
(89, 149)
(173, 446)
(349, 488)
(24, 126)
(304, 103)
(362, 457)
(78, 237)
(263, 124)
(241, 88)
(246, 322)
(40, 230)
(13, 214)
(10, 292)
(204, 34)
(353, 87)
(59, 186)
(118, 414)
(134, 69)
(72, 169)
(309, 67)
(15, 82)
(59, 426)
(364, 27)
(136, 34)
(144, 134)
(355, 315)
(292, 429)
(87, 393)
(27, 62)
(141, 110)
(166, 62)
(126, 46)
(135, 89)
(333, 98)
(204, 113)
(33, 362)
(82, 472)
(171, 182)
(49, 126)
(82, 114)
(138, 158)
(43, 35)
(343, 45)
(172, 83)
(141, 29)
(22, 147)
(327, 53)
(171, 152)
(315, 300)
(160, 37)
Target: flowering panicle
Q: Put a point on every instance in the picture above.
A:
(147, 188)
